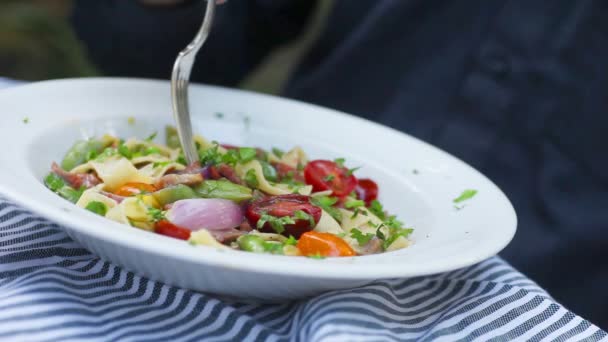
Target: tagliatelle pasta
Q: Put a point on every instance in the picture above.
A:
(237, 198)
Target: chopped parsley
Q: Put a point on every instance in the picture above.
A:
(340, 161)
(362, 239)
(152, 136)
(277, 223)
(329, 178)
(377, 209)
(246, 154)
(210, 156)
(97, 208)
(292, 241)
(465, 195)
(26, 120)
(395, 230)
(316, 256)
(277, 152)
(326, 203)
(358, 211)
(251, 179)
(301, 215)
(156, 214)
(151, 150)
(353, 203)
(124, 151)
(350, 172)
(161, 164)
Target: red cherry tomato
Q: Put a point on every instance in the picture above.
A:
(169, 229)
(286, 171)
(284, 206)
(132, 189)
(367, 190)
(327, 175)
(323, 244)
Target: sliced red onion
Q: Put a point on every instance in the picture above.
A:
(205, 213)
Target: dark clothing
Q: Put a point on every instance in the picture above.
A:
(516, 88)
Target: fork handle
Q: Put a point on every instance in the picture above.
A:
(180, 78)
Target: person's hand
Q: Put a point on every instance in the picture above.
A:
(170, 2)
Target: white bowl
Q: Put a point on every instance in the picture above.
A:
(417, 182)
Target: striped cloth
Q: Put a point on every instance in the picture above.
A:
(51, 289)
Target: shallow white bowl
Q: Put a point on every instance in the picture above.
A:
(417, 182)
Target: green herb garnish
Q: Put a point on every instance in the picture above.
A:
(362, 239)
(326, 203)
(377, 209)
(291, 241)
(317, 256)
(301, 215)
(350, 172)
(247, 154)
(97, 208)
(329, 178)
(465, 195)
(26, 120)
(353, 203)
(277, 152)
(340, 161)
(124, 151)
(151, 150)
(277, 223)
(152, 136)
(156, 214)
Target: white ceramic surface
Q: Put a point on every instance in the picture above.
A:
(59, 112)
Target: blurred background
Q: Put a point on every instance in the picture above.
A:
(37, 43)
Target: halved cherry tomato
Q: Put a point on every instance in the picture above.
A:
(284, 206)
(323, 244)
(286, 171)
(167, 228)
(367, 190)
(132, 189)
(327, 175)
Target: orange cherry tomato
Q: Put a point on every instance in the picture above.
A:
(169, 229)
(323, 244)
(132, 189)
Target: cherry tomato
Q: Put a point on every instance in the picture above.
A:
(132, 189)
(327, 175)
(367, 190)
(323, 244)
(284, 206)
(286, 171)
(169, 229)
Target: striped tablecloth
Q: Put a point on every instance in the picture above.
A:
(51, 289)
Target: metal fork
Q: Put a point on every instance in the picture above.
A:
(180, 79)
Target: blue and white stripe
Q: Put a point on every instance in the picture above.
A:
(52, 289)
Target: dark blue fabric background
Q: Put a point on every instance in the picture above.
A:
(516, 88)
